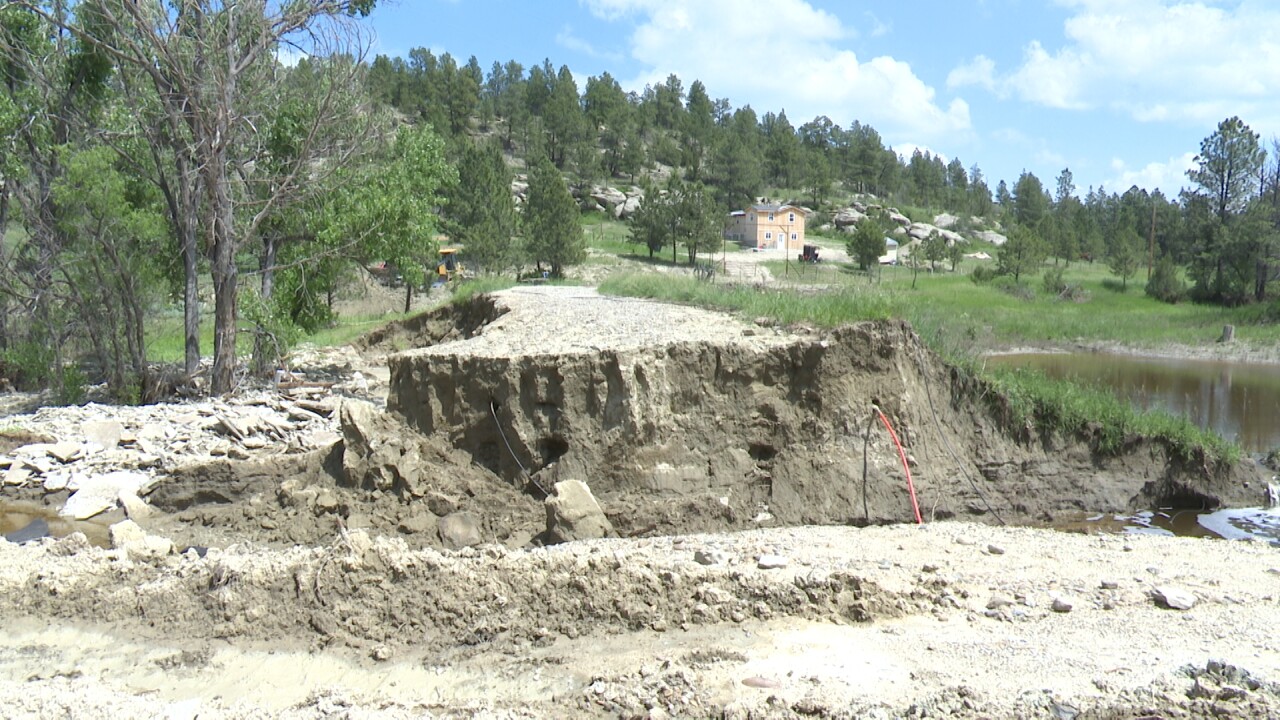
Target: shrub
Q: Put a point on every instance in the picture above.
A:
(1053, 282)
(1006, 284)
(1164, 284)
(982, 274)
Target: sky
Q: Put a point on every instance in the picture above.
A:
(1121, 92)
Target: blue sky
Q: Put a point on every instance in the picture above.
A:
(1119, 91)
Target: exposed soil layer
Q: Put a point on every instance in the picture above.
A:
(683, 434)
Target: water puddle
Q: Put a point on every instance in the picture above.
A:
(1231, 524)
(24, 522)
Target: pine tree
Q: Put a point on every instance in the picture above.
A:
(482, 213)
(552, 233)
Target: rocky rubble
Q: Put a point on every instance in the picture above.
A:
(107, 456)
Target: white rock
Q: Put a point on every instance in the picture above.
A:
(127, 535)
(1174, 598)
(65, 452)
(97, 494)
(106, 433)
(1063, 604)
(771, 562)
(710, 557)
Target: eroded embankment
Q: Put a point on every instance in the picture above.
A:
(701, 435)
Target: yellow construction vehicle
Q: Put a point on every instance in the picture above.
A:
(449, 267)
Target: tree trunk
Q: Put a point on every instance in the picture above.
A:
(266, 349)
(224, 317)
(190, 295)
(408, 295)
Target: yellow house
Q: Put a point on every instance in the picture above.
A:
(767, 226)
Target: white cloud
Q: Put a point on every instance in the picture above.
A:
(980, 71)
(1156, 60)
(1169, 176)
(568, 40)
(783, 54)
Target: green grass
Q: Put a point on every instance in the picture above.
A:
(786, 306)
(605, 234)
(989, 317)
(1032, 399)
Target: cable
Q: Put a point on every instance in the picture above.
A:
(902, 455)
(947, 442)
(524, 473)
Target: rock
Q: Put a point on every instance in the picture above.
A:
(17, 475)
(131, 538)
(628, 208)
(847, 217)
(609, 197)
(99, 493)
(945, 220)
(1063, 604)
(994, 238)
(381, 653)
(995, 550)
(420, 524)
(106, 433)
(326, 502)
(64, 452)
(1109, 585)
(134, 507)
(899, 218)
(257, 442)
(998, 601)
(379, 453)
(1174, 598)
(460, 530)
(771, 562)
(574, 514)
(710, 557)
(442, 504)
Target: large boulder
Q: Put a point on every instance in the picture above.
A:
(898, 218)
(609, 198)
(574, 514)
(629, 207)
(847, 217)
(945, 220)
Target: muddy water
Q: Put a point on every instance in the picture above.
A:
(22, 522)
(1240, 401)
(1231, 524)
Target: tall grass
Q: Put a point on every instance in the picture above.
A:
(1035, 400)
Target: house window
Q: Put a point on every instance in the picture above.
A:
(770, 217)
(794, 236)
(768, 236)
(791, 217)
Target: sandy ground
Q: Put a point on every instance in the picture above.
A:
(943, 620)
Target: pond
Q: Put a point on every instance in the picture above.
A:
(1240, 401)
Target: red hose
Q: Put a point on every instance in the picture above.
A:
(911, 487)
